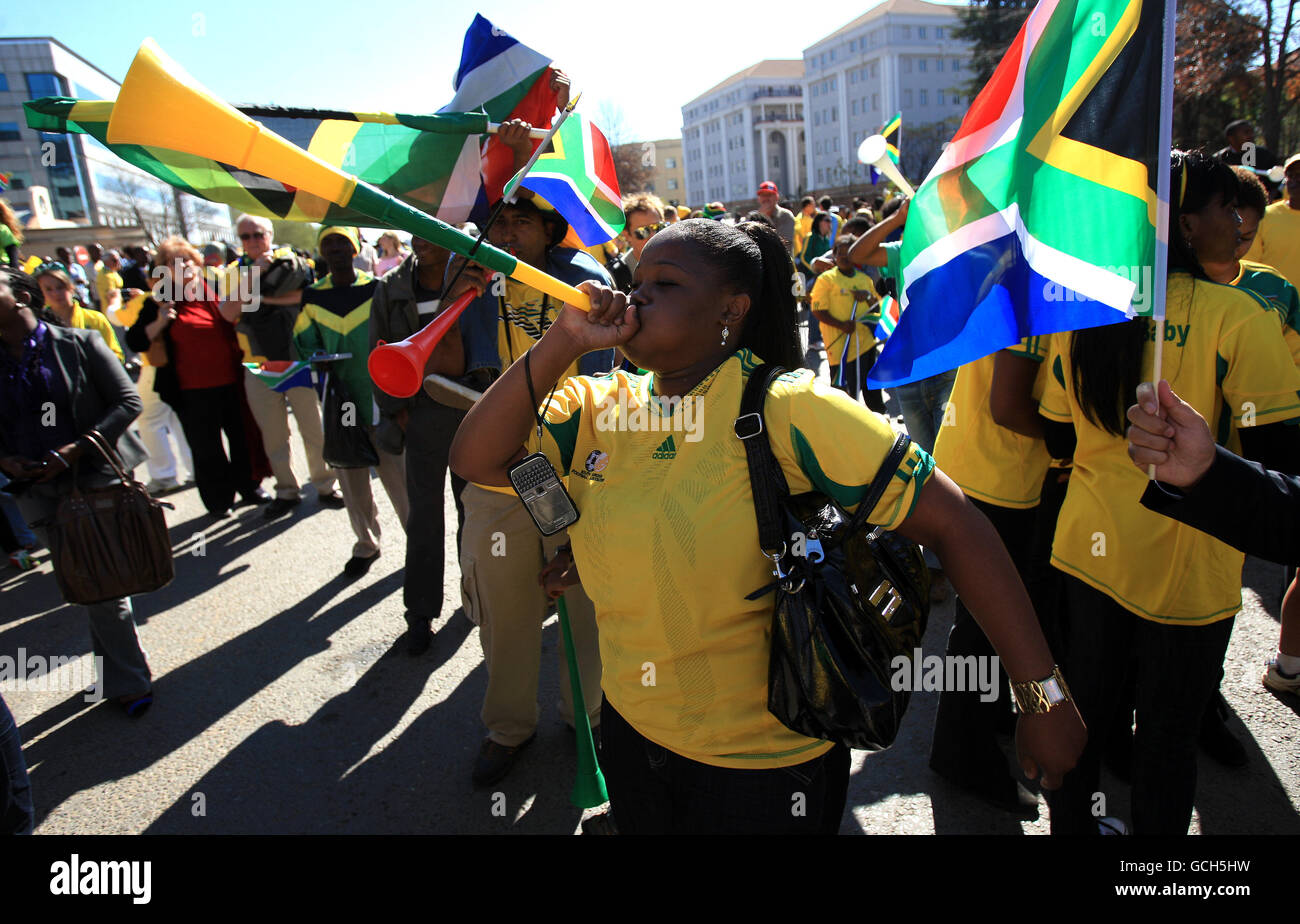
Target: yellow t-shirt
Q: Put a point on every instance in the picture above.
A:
(989, 462)
(127, 315)
(93, 320)
(667, 543)
(802, 227)
(1223, 356)
(105, 282)
(1279, 293)
(1278, 241)
(833, 292)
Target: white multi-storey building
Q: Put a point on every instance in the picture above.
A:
(898, 56)
(87, 182)
(745, 130)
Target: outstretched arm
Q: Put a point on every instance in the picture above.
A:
(981, 571)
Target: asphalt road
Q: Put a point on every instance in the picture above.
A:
(286, 705)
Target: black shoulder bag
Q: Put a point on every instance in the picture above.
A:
(851, 598)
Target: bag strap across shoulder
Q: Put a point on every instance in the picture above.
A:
(881, 481)
(766, 479)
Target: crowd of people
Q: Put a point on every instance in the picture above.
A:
(1017, 482)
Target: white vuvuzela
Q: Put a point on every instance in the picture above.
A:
(873, 152)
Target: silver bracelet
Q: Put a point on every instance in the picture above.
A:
(59, 456)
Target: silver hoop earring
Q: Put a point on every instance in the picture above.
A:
(725, 334)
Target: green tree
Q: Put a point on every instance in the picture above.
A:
(990, 26)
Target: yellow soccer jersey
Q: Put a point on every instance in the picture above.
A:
(88, 319)
(667, 542)
(833, 292)
(1278, 241)
(1223, 356)
(1273, 287)
(988, 462)
(526, 313)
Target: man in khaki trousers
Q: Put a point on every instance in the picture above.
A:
(502, 554)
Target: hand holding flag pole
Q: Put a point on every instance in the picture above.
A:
(400, 366)
(511, 188)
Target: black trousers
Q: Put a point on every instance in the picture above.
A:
(1174, 670)
(1042, 580)
(653, 790)
(429, 432)
(205, 414)
(965, 726)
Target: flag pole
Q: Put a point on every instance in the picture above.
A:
(507, 194)
(1161, 269)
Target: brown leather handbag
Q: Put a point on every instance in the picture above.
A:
(110, 542)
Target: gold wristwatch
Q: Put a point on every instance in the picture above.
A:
(1034, 697)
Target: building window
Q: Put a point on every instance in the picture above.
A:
(776, 160)
(920, 32)
(907, 32)
(924, 98)
(875, 101)
(670, 162)
(938, 65)
(4, 83)
(817, 118)
(44, 85)
(855, 107)
(9, 131)
(907, 99)
(938, 97)
(938, 32)
(921, 64)
(835, 113)
(817, 147)
(907, 65)
(875, 68)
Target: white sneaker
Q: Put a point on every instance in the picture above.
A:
(160, 486)
(1279, 680)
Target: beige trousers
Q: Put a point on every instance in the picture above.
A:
(360, 500)
(501, 554)
(271, 411)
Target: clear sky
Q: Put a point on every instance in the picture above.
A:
(400, 55)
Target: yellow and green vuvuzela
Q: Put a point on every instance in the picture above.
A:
(162, 106)
(413, 157)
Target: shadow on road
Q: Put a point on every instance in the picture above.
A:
(320, 777)
(102, 745)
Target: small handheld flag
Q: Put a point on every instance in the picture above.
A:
(281, 375)
(891, 147)
(578, 179)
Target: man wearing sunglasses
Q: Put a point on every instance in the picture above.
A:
(643, 215)
(265, 332)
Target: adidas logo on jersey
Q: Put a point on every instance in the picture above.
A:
(667, 450)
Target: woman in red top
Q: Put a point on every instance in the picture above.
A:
(201, 378)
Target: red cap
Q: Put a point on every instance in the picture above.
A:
(767, 186)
